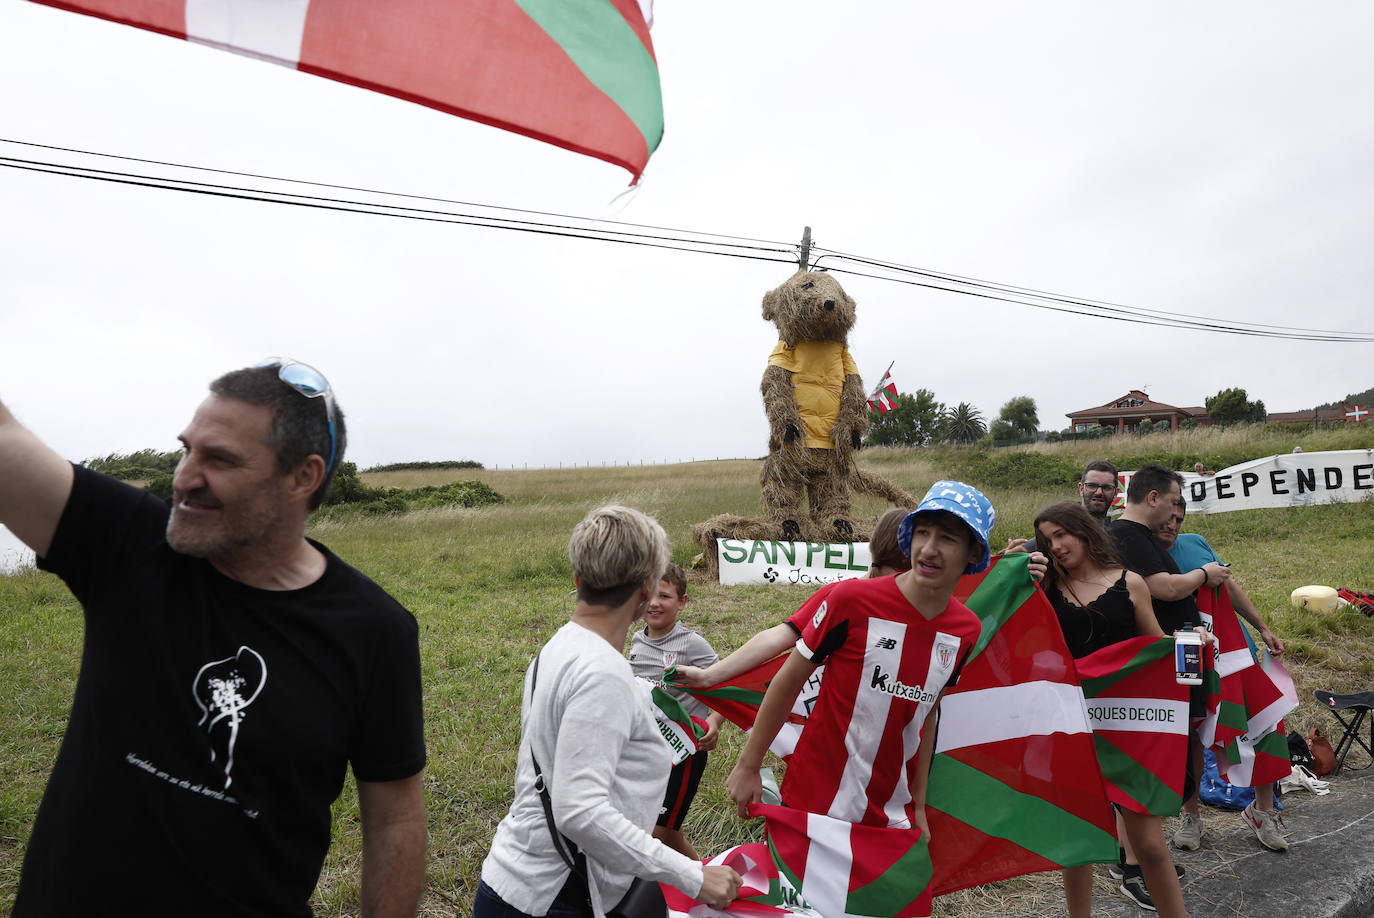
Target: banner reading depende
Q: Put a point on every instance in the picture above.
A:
(1288, 480)
(744, 561)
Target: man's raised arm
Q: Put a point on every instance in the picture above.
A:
(34, 484)
(1164, 585)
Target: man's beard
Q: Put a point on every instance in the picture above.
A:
(227, 534)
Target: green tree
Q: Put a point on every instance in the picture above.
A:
(1019, 416)
(143, 465)
(1231, 405)
(914, 422)
(962, 424)
(1002, 432)
(348, 488)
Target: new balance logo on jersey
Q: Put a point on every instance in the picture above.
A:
(884, 682)
(887, 644)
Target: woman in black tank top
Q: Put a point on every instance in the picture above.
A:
(1099, 603)
(1090, 626)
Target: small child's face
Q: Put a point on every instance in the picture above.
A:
(664, 606)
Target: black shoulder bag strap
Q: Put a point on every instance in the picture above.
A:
(568, 851)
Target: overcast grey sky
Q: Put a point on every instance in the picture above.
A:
(1200, 158)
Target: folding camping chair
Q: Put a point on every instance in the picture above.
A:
(1359, 705)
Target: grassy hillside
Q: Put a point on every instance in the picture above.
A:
(489, 585)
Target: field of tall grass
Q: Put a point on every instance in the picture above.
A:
(488, 586)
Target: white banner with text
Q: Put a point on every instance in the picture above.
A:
(1288, 480)
(744, 561)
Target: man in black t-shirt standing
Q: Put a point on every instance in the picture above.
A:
(1152, 497)
(232, 671)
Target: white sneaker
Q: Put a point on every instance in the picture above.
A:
(1264, 823)
(1188, 835)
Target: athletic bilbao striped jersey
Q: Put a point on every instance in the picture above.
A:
(885, 666)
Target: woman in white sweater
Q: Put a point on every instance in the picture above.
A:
(604, 764)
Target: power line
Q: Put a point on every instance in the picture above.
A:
(1198, 326)
(407, 213)
(648, 236)
(1201, 322)
(393, 194)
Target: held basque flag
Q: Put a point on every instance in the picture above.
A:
(673, 722)
(1014, 785)
(813, 866)
(884, 398)
(579, 74)
(1139, 714)
(738, 700)
(1244, 727)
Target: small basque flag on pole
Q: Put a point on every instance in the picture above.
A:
(884, 398)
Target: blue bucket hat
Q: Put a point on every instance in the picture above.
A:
(965, 502)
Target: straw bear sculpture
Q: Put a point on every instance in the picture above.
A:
(817, 416)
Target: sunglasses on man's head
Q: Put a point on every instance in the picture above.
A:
(311, 383)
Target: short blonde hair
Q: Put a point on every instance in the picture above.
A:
(615, 550)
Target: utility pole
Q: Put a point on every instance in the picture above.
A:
(805, 260)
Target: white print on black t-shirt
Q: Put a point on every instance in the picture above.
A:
(145, 765)
(224, 689)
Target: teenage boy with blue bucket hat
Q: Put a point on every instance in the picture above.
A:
(890, 647)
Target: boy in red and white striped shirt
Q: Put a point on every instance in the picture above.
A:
(890, 647)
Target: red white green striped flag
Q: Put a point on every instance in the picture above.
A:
(1139, 713)
(884, 398)
(1260, 755)
(1245, 728)
(1226, 718)
(1014, 785)
(738, 700)
(1244, 724)
(1251, 762)
(579, 74)
(673, 721)
(816, 866)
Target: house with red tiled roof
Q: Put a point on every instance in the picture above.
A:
(1127, 412)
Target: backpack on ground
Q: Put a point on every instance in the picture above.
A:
(1298, 753)
(1214, 790)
